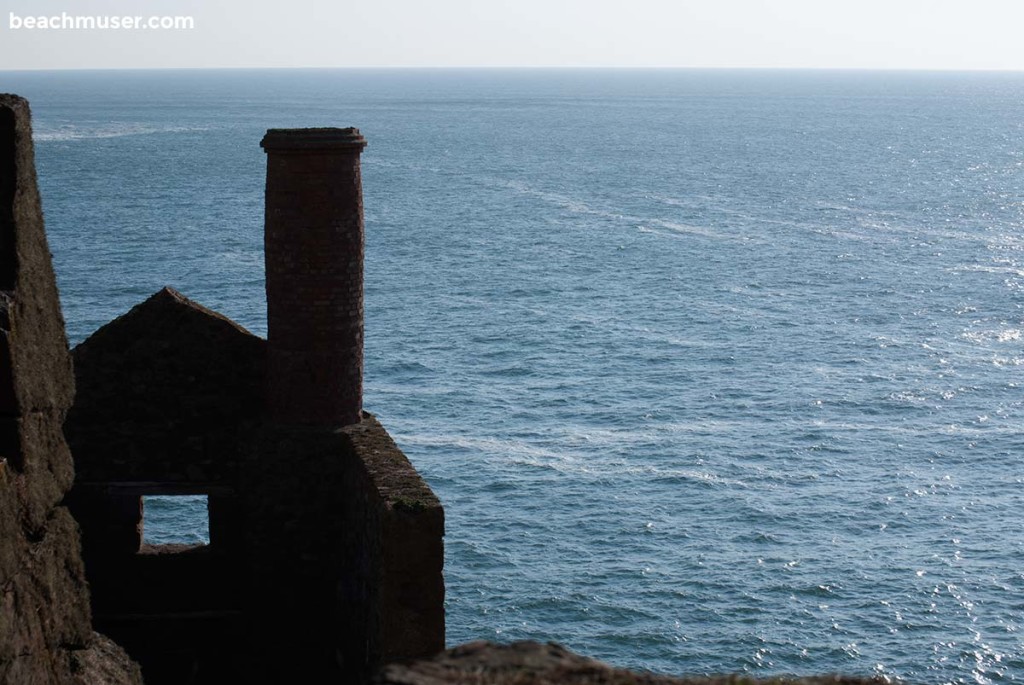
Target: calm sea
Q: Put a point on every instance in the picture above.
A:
(713, 371)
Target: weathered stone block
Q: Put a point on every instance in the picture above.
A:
(37, 668)
(39, 367)
(103, 663)
(43, 608)
(46, 472)
(44, 601)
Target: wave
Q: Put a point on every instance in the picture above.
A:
(687, 229)
(687, 475)
(486, 445)
(578, 206)
(1001, 335)
(1013, 270)
(73, 132)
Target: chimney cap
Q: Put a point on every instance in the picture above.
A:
(312, 140)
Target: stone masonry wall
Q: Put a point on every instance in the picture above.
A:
(46, 635)
(347, 552)
(162, 391)
(167, 394)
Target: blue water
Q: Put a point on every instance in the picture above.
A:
(182, 519)
(713, 371)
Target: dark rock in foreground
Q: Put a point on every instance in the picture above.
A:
(46, 635)
(532, 663)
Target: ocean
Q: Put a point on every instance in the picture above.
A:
(713, 371)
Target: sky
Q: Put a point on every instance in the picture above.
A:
(849, 34)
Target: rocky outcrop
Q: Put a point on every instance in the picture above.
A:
(46, 633)
(532, 663)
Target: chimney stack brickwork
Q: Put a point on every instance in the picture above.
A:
(314, 241)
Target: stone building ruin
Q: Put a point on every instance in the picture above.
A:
(325, 553)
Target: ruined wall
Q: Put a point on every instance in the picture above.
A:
(347, 551)
(167, 394)
(46, 635)
(330, 563)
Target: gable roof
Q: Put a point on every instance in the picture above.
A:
(169, 381)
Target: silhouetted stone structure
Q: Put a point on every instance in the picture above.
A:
(46, 635)
(325, 555)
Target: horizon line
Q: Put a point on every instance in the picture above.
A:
(895, 69)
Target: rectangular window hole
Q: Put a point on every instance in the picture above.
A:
(175, 520)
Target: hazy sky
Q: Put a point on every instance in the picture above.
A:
(914, 34)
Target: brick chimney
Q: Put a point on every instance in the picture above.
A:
(313, 242)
